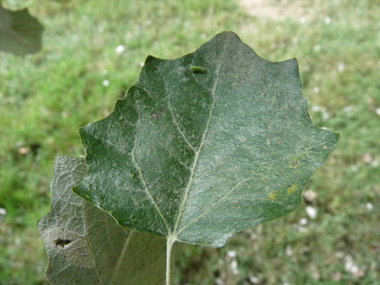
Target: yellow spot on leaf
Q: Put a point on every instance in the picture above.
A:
(291, 189)
(272, 196)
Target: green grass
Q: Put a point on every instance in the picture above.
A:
(45, 98)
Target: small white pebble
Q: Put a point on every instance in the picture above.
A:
(3, 212)
(317, 48)
(106, 82)
(312, 212)
(316, 90)
(17, 241)
(310, 195)
(23, 150)
(347, 109)
(327, 20)
(302, 20)
(339, 254)
(369, 206)
(231, 253)
(325, 115)
(303, 222)
(254, 280)
(367, 158)
(288, 250)
(341, 66)
(120, 49)
(350, 265)
(317, 108)
(65, 114)
(234, 267)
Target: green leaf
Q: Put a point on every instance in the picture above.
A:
(85, 245)
(205, 145)
(20, 33)
(16, 4)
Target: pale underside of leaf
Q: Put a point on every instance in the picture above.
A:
(205, 145)
(85, 245)
(20, 33)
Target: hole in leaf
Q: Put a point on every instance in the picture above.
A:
(62, 242)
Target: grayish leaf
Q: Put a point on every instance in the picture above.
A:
(85, 245)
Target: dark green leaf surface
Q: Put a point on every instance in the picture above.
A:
(85, 245)
(205, 145)
(20, 33)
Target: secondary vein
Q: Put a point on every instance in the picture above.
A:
(145, 186)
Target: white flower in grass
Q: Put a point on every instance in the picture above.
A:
(106, 82)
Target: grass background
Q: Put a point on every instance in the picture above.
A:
(45, 98)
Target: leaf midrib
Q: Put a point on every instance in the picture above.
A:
(186, 196)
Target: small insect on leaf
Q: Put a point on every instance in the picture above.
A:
(198, 69)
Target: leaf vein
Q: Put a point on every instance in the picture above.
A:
(144, 183)
(202, 142)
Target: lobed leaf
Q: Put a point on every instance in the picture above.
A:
(205, 145)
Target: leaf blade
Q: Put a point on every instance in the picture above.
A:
(196, 144)
(86, 245)
(20, 33)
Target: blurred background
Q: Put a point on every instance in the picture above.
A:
(92, 53)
